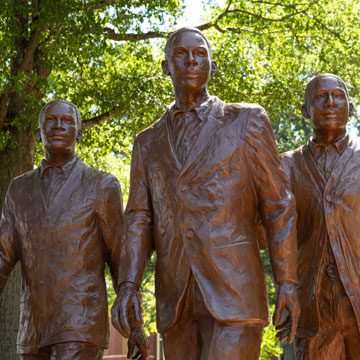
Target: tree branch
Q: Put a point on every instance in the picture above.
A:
(89, 123)
(270, 19)
(3, 109)
(277, 4)
(158, 34)
(134, 37)
(27, 62)
(102, 4)
(324, 26)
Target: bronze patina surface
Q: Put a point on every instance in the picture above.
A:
(325, 179)
(63, 222)
(201, 178)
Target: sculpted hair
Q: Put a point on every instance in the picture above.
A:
(174, 34)
(43, 110)
(310, 86)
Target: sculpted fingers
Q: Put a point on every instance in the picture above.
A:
(124, 325)
(115, 316)
(131, 347)
(278, 310)
(294, 315)
(127, 296)
(138, 341)
(284, 329)
(137, 310)
(283, 334)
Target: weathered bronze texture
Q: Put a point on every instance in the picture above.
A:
(201, 178)
(66, 351)
(325, 179)
(63, 222)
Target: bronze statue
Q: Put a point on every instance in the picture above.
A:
(201, 177)
(325, 179)
(62, 221)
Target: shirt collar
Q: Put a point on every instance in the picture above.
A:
(66, 168)
(340, 145)
(202, 111)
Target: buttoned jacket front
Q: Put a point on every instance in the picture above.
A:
(326, 210)
(202, 216)
(62, 248)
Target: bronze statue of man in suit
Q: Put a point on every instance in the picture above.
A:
(325, 178)
(201, 178)
(62, 221)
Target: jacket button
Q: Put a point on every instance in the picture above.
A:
(183, 188)
(189, 235)
(328, 197)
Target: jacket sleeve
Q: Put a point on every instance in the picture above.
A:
(276, 204)
(137, 245)
(110, 219)
(8, 253)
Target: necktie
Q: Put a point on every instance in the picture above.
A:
(185, 130)
(53, 180)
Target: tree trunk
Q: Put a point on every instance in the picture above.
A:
(13, 162)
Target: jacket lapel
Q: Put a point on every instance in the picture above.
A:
(313, 169)
(68, 186)
(340, 165)
(164, 147)
(212, 124)
(40, 190)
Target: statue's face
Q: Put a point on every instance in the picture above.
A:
(329, 108)
(190, 64)
(59, 128)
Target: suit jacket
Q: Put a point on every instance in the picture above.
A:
(202, 217)
(63, 249)
(327, 211)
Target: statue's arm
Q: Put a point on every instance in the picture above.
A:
(8, 253)
(276, 204)
(277, 210)
(137, 243)
(136, 249)
(110, 216)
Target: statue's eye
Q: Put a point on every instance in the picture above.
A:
(179, 52)
(201, 52)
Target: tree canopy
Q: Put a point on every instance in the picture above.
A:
(105, 57)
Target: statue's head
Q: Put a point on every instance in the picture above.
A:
(188, 59)
(326, 103)
(59, 126)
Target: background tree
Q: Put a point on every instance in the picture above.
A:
(64, 49)
(99, 55)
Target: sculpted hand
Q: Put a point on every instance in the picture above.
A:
(286, 299)
(138, 340)
(126, 313)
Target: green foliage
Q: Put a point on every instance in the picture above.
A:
(269, 56)
(270, 345)
(80, 44)
(266, 51)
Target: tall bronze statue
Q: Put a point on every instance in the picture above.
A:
(62, 221)
(325, 178)
(201, 178)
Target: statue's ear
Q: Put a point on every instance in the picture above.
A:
(165, 68)
(214, 68)
(38, 134)
(351, 109)
(305, 112)
(79, 135)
